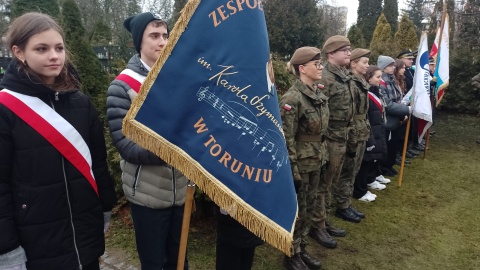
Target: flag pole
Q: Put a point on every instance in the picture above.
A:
(187, 212)
(404, 152)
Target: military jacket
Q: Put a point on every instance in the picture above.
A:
(360, 121)
(305, 115)
(339, 88)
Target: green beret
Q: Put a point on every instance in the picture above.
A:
(334, 43)
(358, 53)
(304, 54)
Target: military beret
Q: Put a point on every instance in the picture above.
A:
(358, 53)
(304, 54)
(406, 54)
(334, 43)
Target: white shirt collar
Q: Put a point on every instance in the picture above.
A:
(145, 65)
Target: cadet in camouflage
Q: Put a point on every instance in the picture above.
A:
(343, 189)
(341, 133)
(304, 112)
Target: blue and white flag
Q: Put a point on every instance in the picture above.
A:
(422, 106)
(209, 108)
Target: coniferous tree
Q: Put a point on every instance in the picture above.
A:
(92, 77)
(406, 36)
(356, 38)
(367, 16)
(415, 13)
(177, 8)
(49, 7)
(382, 40)
(290, 25)
(390, 9)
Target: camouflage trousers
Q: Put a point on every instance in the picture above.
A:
(336, 152)
(306, 204)
(342, 190)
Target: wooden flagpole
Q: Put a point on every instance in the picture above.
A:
(404, 152)
(187, 213)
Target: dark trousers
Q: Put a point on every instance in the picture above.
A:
(392, 146)
(232, 257)
(235, 244)
(366, 175)
(157, 233)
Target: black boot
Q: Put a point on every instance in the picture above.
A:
(347, 214)
(295, 262)
(323, 238)
(356, 212)
(335, 231)
(310, 261)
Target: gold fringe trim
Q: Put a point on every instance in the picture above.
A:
(248, 216)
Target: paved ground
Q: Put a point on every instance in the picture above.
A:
(115, 260)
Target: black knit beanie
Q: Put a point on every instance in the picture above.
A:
(137, 24)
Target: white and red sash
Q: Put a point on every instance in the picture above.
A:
(54, 128)
(133, 79)
(376, 100)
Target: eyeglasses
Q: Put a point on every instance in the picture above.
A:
(318, 65)
(346, 50)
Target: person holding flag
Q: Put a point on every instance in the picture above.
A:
(422, 108)
(395, 111)
(56, 193)
(155, 189)
(304, 112)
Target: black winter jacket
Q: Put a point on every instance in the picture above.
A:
(377, 123)
(46, 204)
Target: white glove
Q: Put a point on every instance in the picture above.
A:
(22, 266)
(370, 148)
(13, 260)
(410, 109)
(406, 98)
(107, 216)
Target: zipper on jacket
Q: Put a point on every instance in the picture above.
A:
(68, 201)
(174, 186)
(56, 96)
(71, 215)
(135, 181)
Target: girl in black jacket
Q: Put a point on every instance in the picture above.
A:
(54, 180)
(369, 171)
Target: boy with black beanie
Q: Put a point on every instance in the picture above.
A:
(155, 190)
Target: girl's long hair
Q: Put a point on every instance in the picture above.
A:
(22, 29)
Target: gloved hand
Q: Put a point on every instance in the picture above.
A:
(352, 154)
(370, 148)
(297, 184)
(15, 259)
(410, 109)
(107, 216)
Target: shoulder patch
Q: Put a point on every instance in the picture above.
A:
(287, 107)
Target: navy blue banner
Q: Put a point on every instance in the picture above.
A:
(209, 107)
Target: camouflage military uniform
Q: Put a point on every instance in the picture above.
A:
(341, 134)
(343, 189)
(305, 118)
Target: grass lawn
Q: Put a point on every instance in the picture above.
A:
(431, 222)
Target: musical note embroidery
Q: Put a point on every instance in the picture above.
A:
(246, 126)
